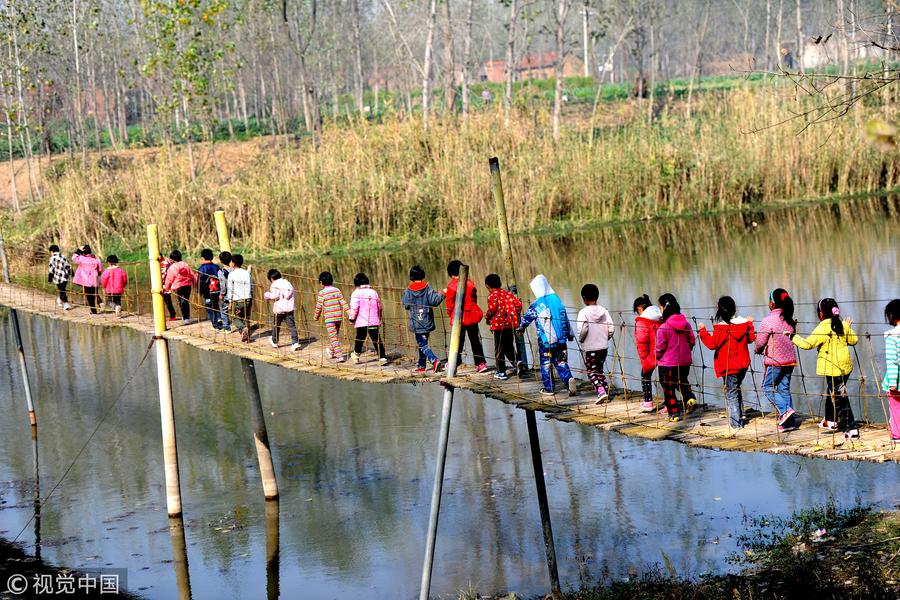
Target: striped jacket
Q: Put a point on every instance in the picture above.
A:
(892, 358)
(330, 305)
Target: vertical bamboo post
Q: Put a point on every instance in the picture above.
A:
(441, 459)
(17, 332)
(222, 231)
(180, 558)
(503, 227)
(260, 435)
(273, 552)
(164, 376)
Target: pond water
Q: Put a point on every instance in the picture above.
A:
(355, 462)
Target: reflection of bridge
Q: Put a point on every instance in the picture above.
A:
(706, 428)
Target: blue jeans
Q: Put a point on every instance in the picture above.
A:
(556, 355)
(734, 398)
(425, 351)
(777, 387)
(225, 309)
(212, 310)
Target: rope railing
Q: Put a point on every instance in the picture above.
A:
(622, 365)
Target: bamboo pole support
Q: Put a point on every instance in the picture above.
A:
(260, 435)
(506, 249)
(17, 332)
(441, 459)
(222, 231)
(164, 376)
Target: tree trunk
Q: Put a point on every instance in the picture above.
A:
(426, 63)
(467, 52)
(562, 9)
(586, 40)
(449, 66)
(778, 20)
(358, 71)
(697, 71)
(800, 39)
(510, 58)
(766, 49)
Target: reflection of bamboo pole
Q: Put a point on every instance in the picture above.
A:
(164, 376)
(503, 227)
(260, 434)
(273, 551)
(543, 505)
(179, 558)
(37, 494)
(14, 318)
(441, 459)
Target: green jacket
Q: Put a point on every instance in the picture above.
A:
(834, 350)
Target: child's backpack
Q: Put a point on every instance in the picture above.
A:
(213, 285)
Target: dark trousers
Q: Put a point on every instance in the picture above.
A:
(167, 299)
(593, 362)
(675, 379)
(184, 301)
(647, 385)
(114, 299)
(90, 295)
(213, 312)
(61, 289)
(504, 347)
(287, 319)
(837, 402)
(475, 340)
(359, 344)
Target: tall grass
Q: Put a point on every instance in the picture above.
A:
(396, 181)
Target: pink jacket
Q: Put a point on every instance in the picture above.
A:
(365, 307)
(282, 292)
(114, 280)
(777, 349)
(674, 341)
(89, 267)
(179, 275)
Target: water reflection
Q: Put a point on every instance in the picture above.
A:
(180, 558)
(273, 550)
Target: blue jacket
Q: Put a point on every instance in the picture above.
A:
(549, 315)
(418, 299)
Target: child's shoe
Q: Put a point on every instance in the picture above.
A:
(272, 342)
(383, 360)
(547, 392)
(329, 353)
(339, 359)
(59, 302)
(172, 319)
(851, 434)
(691, 405)
(602, 396)
(501, 376)
(419, 370)
(245, 335)
(436, 366)
(481, 368)
(118, 312)
(786, 416)
(67, 306)
(647, 407)
(354, 358)
(295, 347)
(829, 425)
(572, 384)
(675, 418)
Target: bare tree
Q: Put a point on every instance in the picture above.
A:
(562, 12)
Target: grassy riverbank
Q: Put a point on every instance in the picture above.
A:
(377, 185)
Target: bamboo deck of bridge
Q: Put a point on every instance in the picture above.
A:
(707, 427)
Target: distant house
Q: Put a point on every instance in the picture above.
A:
(531, 66)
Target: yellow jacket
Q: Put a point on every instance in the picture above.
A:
(834, 350)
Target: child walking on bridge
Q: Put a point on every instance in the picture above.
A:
(208, 286)
(891, 383)
(645, 325)
(282, 293)
(674, 342)
(471, 316)
(58, 272)
(331, 306)
(180, 279)
(419, 299)
(87, 274)
(365, 314)
(503, 314)
(729, 340)
(114, 281)
(595, 329)
(553, 331)
(779, 356)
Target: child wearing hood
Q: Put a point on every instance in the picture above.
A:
(595, 329)
(729, 340)
(553, 331)
(645, 325)
(281, 292)
(420, 299)
(674, 342)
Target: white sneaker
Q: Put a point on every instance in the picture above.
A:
(329, 353)
(383, 360)
(573, 386)
(118, 312)
(354, 358)
(272, 342)
(59, 302)
(67, 306)
(340, 359)
(295, 347)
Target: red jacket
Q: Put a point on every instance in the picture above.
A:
(504, 310)
(645, 338)
(471, 311)
(179, 275)
(730, 341)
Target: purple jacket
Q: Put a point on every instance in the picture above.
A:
(674, 341)
(777, 350)
(365, 307)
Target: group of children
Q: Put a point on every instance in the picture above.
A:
(663, 336)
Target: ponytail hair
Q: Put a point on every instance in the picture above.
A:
(642, 302)
(725, 309)
(781, 299)
(828, 308)
(670, 306)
